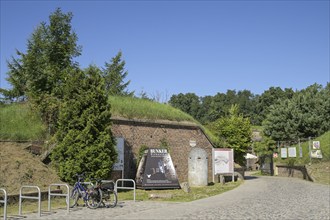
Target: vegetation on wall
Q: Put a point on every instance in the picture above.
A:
(135, 108)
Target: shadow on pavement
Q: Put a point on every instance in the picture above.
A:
(250, 177)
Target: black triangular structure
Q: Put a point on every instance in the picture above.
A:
(156, 171)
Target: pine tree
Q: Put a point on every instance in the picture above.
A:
(114, 74)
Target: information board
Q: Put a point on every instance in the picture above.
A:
(119, 165)
(223, 159)
(156, 171)
(292, 152)
(284, 152)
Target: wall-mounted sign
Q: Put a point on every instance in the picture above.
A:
(192, 143)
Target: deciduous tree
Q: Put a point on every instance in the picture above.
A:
(233, 131)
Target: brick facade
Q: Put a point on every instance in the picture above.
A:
(150, 133)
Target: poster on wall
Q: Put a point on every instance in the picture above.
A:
(292, 152)
(284, 152)
(156, 171)
(223, 160)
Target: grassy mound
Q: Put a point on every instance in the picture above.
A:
(17, 168)
(19, 123)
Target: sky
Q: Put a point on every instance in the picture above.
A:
(201, 47)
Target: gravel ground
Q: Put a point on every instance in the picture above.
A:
(257, 198)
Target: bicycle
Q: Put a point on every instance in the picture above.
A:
(80, 190)
(106, 193)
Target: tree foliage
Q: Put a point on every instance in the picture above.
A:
(268, 98)
(188, 103)
(40, 73)
(306, 114)
(265, 147)
(233, 131)
(72, 102)
(84, 132)
(114, 75)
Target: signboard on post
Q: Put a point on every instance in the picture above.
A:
(284, 152)
(292, 151)
(119, 165)
(223, 161)
(316, 150)
(316, 145)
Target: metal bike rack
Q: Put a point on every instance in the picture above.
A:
(29, 197)
(123, 187)
(67, 195)
(109, 181)
(4, 201)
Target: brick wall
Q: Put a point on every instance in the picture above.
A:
(150, 133)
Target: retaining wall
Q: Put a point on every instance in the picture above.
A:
(293, 171)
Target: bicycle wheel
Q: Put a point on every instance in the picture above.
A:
(74, 197)
(94, 198)
(109, 198)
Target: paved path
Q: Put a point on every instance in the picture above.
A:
(257, 198)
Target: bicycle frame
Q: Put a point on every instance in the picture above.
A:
(81, 190)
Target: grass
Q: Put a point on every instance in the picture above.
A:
(133, 108)
(325, 148)
(19, 123)
(177, 195)
(29, 206)
(319, 169)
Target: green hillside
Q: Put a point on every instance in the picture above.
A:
(18, 122)
(134, 108)
(324, 146)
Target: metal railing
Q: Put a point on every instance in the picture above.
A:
(4, 201)
(66, 195)
(123, 187)
(29, 197)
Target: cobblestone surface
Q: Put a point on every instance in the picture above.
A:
(257, 198)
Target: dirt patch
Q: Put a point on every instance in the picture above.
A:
(19, 167)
